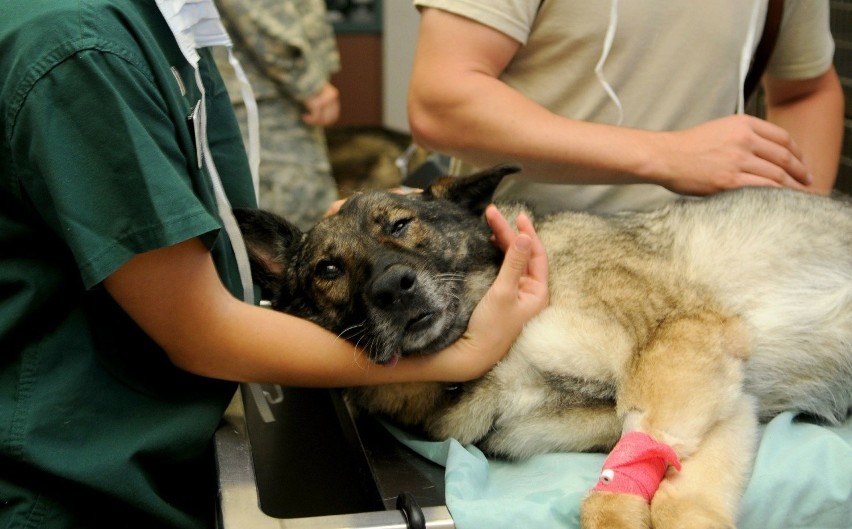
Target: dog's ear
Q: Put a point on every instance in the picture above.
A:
(474, 191)
(269, 240)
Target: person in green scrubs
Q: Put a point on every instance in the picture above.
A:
(122, 332)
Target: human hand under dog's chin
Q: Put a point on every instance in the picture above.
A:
(517, 295)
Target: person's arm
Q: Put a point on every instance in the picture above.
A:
(458, 105)
(812, 110)
(175, 296)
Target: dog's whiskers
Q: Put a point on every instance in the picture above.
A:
(367, 349)
(462, 278)
(358, 328)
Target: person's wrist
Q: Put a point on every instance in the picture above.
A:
(476, 354)
(650, 159)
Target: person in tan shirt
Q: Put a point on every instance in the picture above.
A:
(636, 101)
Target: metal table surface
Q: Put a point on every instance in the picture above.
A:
(302, 459)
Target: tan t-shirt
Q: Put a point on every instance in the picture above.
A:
(672, 65)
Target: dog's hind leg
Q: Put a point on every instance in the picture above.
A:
(681, 399)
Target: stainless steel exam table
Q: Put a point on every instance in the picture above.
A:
(292, 458)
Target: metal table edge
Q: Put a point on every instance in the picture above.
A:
(239, 504)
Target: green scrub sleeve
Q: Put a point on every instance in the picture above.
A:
(107, 171)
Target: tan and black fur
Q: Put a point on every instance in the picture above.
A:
(690, 323)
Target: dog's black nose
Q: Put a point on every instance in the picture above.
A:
(393, 286)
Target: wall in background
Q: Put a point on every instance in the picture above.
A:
(399, 40)
(376, 40)
(358, 25)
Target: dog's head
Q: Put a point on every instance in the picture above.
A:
(395, 274)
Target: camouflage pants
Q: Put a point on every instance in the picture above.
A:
(295, 173)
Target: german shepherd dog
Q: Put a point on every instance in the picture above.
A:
(688, 324)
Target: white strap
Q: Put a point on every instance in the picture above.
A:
(222, 203)
(252, 118)
(235, 236)
(607, 46)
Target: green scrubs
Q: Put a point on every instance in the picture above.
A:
(98, 164)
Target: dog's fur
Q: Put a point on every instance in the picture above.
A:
(689, 323)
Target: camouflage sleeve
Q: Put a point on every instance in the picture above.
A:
(290, 41)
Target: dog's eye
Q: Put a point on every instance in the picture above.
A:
(399, 227)
(327, 269)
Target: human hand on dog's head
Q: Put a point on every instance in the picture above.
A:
(334, 207)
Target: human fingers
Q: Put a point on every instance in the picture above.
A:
(727, 153)
(328, 116)
(503, 233)
(327, 113)
(312, 107)
(525, 225)
(786, 162)
(775, 134)
(760, 172)
(323, 108)
(522, 280)
(406, 190)
(318, 114)
(537, 268)
(515, 261)
(334, 207)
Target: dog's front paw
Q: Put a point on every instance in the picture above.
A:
(671, 511)
(608, 510)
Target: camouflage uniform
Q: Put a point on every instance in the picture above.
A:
(288, 51)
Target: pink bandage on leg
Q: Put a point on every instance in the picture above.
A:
(636, 465)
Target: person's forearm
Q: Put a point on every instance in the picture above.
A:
(175, 295)
(815, 121)
(254, 344)
(208, 332)
(249, 343)
(484, 122)
(726, 153)
(458, 105)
